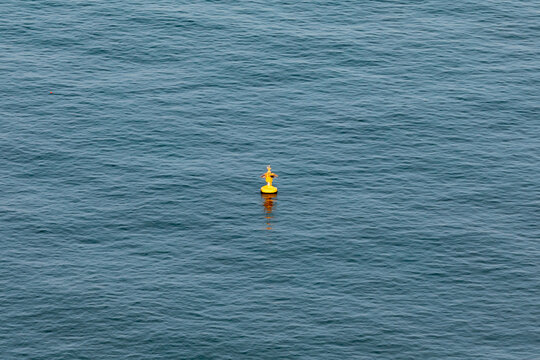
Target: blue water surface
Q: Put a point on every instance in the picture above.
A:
(406, 140)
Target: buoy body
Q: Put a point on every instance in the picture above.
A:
(269, 177)
(268, 189)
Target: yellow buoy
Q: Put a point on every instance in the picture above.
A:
(269, 177)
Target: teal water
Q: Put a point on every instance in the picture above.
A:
(405, 137)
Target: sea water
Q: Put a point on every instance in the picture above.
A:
(406, 139)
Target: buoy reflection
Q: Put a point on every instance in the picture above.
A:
(268, 203)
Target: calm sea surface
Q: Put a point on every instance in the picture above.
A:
(406, 140)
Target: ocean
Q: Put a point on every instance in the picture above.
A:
(406, 139)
